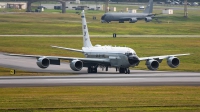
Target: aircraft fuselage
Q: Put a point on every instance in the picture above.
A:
(118, 56)
(123, 16)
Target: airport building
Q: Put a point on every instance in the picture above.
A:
(168, 11)
(75, 6)
(14, 5)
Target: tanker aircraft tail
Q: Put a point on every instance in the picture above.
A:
(149, 7)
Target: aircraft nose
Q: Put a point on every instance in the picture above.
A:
(103, 18)
(102, 21)
(133, 59)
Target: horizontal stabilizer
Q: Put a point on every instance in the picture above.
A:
(69, 49)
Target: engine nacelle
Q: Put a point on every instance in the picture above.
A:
(148, 19)
(76, 65)
(173, 62)
(152, 64)
(132, 20)
(43, 62)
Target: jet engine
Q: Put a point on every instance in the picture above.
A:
(152, 64)
(132, 20)
(43, 62)
(173, 62)
(148, 19)
(76, 65)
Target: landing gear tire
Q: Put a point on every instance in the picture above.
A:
(128, 71)
(92, 70)
(121, 21)
(121, 70)
(124, 70)
(89, 70)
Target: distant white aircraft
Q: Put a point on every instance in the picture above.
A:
(106, 56)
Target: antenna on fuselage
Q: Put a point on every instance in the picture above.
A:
(86, 37)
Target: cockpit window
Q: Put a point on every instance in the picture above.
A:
(103, 17)
(128, 54)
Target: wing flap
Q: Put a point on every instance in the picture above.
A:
(126, 18)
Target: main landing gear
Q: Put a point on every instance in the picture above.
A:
(124, 70)
(92, 69)
(121, 21)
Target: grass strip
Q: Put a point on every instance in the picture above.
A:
(70, 24)
(143, 47)
(100, 98)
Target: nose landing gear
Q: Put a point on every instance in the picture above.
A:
(124, 70)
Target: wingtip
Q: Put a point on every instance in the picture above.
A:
(53, 46)
(6, 54)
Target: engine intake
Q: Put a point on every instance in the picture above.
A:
(43, 62)
(173, 62)
(148, 19)
(152, 64)
(76, 65)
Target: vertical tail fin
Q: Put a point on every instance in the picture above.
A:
(149, 7)
(86, 37)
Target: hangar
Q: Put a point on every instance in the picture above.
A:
(74, 6)
(14, 5)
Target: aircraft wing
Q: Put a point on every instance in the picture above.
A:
(126, 18)
(162, 57)
(70, 49)
(63, 58)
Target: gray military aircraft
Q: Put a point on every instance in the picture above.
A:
(131, 17)
(105, 56)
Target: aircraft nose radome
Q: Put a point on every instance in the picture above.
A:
(102, 21)
(133, 59)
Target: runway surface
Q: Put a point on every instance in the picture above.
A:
(138, 78)
(81, 78)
